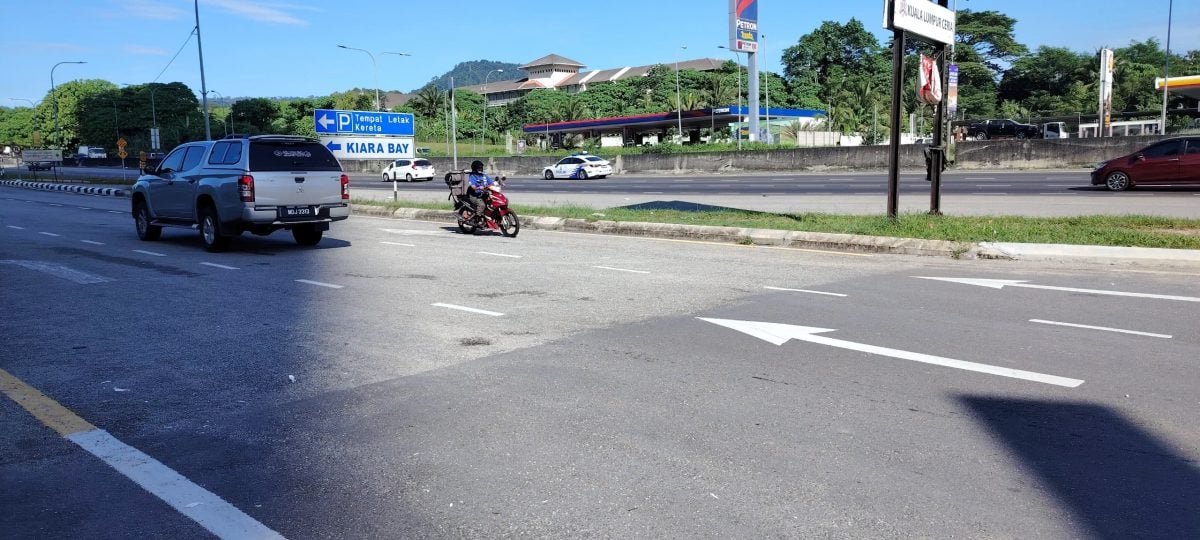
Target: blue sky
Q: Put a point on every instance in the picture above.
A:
(289, 47)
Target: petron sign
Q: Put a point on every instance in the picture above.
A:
(743, 25)
(920, 17)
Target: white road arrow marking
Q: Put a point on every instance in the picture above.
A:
(1001, 283)
(779, 334)
(325, 120)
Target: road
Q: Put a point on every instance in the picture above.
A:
(404, 380)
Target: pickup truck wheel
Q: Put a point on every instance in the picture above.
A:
(1022, 135)
(210, 231)
(981, 136)
(307, 235)
(141, 220)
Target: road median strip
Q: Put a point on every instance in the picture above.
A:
(69, 188)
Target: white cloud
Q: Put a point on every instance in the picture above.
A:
(144, 50)
(261, 11)
(151, 9)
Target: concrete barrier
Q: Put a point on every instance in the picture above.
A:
(1003, 154)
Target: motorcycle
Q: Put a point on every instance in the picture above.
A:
(497, 215)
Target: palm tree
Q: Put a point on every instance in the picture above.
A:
(573, 109)
(430, 101)
(719, 92)
(691, 101)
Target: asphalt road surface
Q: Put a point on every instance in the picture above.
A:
(403, 380)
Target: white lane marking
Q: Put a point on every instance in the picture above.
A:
(993, 185)
(58, 205)
(150, 253)
(1001, 283)
(398, 244)
(1064, 185)
(92, 242)
(221, 266)
(981, 193)
(49, 233)
(652, 193)
(58, 270)
(319, 284)
(1057, 193)
(412, 232)
(83, 208)
(499, 255)
(468, 309)
(621, 270)
(204, 507)
(973, 177)
(115, 212)
(683, 180)
(804, 291)
(16, 227)
(1104, 328)
(778, 334)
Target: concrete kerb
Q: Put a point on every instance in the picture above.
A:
(761, 237)
(69, 188)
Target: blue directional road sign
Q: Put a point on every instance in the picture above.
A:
(363, 122)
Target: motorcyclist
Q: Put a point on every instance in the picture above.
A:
(477, 193)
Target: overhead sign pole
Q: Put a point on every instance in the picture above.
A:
(937, 152)
(893, 197)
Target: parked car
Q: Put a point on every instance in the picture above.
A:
(994, 129)
(408, 169)
(38, 165)
(258, 184)
(579, 166)
(1173, 161)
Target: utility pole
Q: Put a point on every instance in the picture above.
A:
(203, 85)
(54, 100)
(1167, 68)
(678, 99)
(937, 152)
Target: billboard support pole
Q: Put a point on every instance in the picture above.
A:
(893, 199)
(937, 153)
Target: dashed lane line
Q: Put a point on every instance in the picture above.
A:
(1102, 328)
(221, 266)
(500, 255)
(200, 505)
(49, 234)
(840, 295)
(621, 270)
(60, 271)
(150, 253)
(115, 212)
(92, 242)
(320, 284)
(398, 244)
(56, 205)
(16, 227)
(468, 309)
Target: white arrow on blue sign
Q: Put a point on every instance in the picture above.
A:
(363, 122)
(351, 147)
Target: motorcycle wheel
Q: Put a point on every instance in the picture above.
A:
(510, 225)
(465, 227)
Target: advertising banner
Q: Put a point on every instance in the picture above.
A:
(1107, 62)
(929, 86)
(743, 25)
(952, 90)
(921, 17)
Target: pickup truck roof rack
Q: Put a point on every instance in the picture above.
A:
(289, 138)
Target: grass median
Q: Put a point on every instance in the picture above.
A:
(1131, 231)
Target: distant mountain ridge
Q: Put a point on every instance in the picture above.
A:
(474, 72)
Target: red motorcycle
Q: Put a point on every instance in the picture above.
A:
(497, 215)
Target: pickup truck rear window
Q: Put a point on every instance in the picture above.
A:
(291, 156)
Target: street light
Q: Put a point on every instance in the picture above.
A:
(54, 96)
(375, 64)
(762, 38)
(678, 99)
(485, 100)
(227, 132)
(737, 60)
(1167, 67)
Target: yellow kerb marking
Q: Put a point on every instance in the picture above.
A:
(46, 410)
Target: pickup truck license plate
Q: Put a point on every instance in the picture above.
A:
(296, 211)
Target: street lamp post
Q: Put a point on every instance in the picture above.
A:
(678, 98)
(485, 101)
(376, 71)
(1167, 67)
(395, 53)
(762, 38)
(54, 97)
(737, 61)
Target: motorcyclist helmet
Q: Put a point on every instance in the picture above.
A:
(477, 167)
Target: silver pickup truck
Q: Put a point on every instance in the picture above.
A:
(258, 184)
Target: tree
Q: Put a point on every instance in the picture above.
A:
(985, 42)
(835, 56)
(1051, 79)
(255, 115)
(430, 102)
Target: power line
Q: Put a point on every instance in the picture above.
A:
(185, 42)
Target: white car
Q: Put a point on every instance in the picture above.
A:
(579, 166)
(408, 170)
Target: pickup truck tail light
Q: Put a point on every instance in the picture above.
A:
(246, 188)
(345, 188)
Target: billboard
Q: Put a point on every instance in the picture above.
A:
(920, 17)
(952, 90)
(743, 25)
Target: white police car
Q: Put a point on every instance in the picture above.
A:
(408, 170)
(579, 166)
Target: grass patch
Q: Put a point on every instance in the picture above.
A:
(1132, 231)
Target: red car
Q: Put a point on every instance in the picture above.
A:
(1173, 161)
